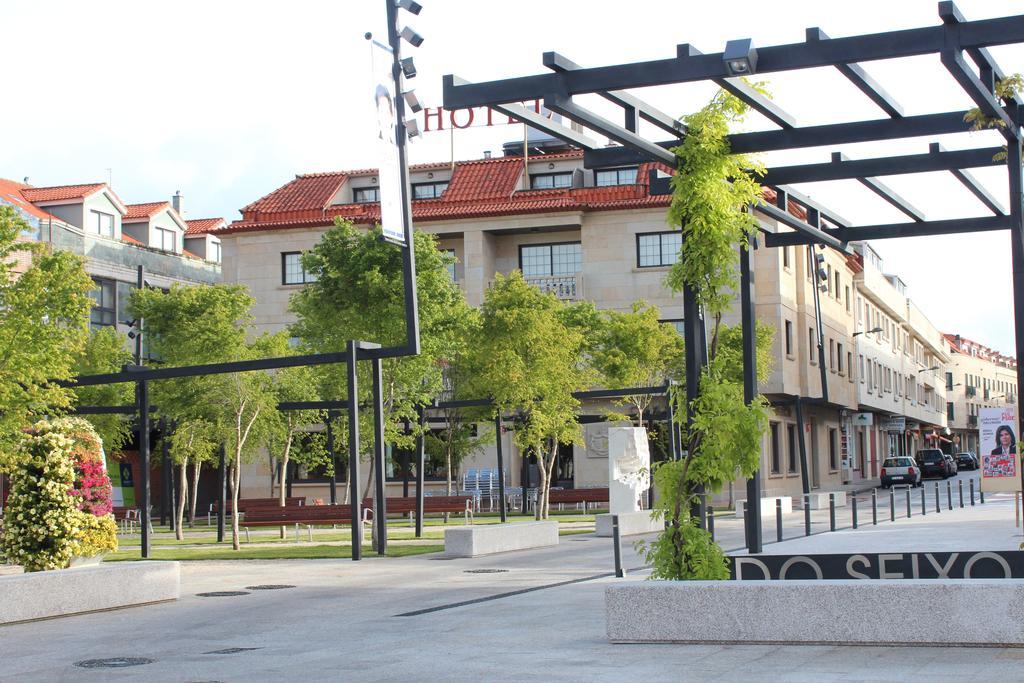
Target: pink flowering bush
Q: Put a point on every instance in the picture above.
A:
(92, 490)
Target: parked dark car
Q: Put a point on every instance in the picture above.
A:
(967, 460)
(933, 463)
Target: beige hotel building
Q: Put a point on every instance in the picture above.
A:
(601, 235)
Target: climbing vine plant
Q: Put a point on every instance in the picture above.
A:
(1005, 88)
(712, 193)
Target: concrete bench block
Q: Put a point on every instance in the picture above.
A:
(819, 499)
(42, 595)
(485, 539)
(768, 506)
(985, 612)
(630, 524)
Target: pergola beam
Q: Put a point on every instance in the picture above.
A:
(860, 78)
(892, 230)
(808, 54)
(561, 64)
(973, 185)
(885, 192)
(758, 102)
(979, 92)
(884, 166)
(812, 234)
(566, 107)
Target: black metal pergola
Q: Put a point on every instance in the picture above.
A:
(962, 47)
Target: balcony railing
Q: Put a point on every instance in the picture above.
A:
(565, 287)
(970, 391)
(972, 420)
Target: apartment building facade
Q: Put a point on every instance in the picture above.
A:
(601, 235)
(115, 238)
(976, 377)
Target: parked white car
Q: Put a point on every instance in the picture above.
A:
(900, 470)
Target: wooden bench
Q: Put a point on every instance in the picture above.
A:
(246, 504)
(304, 515)
(432, 505)
(127, 518)
(323, 515)
(577, 497)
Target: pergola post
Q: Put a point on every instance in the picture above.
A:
(355, 503)
(748, 315)
(380, 520)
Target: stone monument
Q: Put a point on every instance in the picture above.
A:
(629, 477)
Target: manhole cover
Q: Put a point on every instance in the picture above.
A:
(113, 662)
(231, 650)
(221, 594)
(483, 571)
(269, 587)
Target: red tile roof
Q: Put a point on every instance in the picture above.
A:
(140, 211)
(128, 239)
(961, 344)
(60, 192)
(477, 189)
(201, 226)
(12, 193)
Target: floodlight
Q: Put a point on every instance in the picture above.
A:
(740, 57)
(412, 101)
(412, 128)
(412, 37)
(408, 68)
(409, 6)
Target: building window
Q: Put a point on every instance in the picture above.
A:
(615, 176)
(215, 253)
(103, 223)
(104, 307)
(860, 362)
(846, 291)
(837, 291)
(547, 260)
(832, 355)
(550, 181)
(833, 449)
(658, 249)
(776, 452)
(789, 339)
(791, 448)
(676, 323)
(811, 351)
(363, 195)
(166, 240)
(839, 357)
(429, 190)
(849, 365)
(450, 265)
(292, 271)
(786, 257)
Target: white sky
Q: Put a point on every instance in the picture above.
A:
(227, 100)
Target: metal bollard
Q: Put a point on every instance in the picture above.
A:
(619, 571)
(778, 520)
(981, 494)
(874, 507)
(711, 521)
(746, 514)
(924, 501)
(909, 512)
(938, 499)
(949, 494)
(853, 501)
(960, 486)
(831, 512)
(971, 482)
(892, 505)
(807, 515)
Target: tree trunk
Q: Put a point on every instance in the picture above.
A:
(236, 480)
(197, 469)
(282, 492)
(179, 513)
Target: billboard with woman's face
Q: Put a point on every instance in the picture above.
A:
(1000, 462)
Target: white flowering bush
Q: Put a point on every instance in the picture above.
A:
(41, 521)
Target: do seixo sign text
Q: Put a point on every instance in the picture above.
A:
(958, 565)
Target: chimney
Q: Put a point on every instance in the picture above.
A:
(25, 180)
(176, 202)
(487, 154)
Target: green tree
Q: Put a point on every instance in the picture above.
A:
(105, 352)
(635, 349)
(190, 443)
(531, 361)
(358, 294)
(210, 324)
(713, 192)
(44, 324)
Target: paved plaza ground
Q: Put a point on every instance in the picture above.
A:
(532, 614)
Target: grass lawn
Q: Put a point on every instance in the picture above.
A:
(263, 553)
